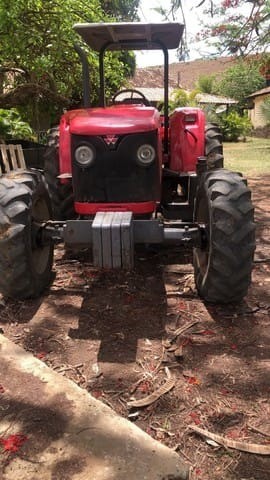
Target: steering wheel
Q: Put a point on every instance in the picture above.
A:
(130, 100)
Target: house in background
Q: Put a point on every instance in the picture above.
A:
(256, 114)
(222, 104)
(155, 95)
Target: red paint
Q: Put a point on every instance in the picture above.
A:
(118, 119)
(84, 208)
(64, 148)
(115, 120)
(186, 139)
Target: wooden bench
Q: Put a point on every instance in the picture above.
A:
(11, 158)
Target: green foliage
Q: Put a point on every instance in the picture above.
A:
(122, 9)
(234, 126)
(266, 109)
(240, 81)
(235, 27)
(242, 26)
(181, 98)
(205, 83)
(12, 126)
(37, 37)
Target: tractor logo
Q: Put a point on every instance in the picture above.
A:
(111, 140)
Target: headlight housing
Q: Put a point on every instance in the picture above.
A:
(85, 155)
(146, 154)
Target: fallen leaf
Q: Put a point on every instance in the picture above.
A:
(129, 299)
(193, 381)
(234, 433)
(2, 390)
(195, 417)
(144, 387)
(97, 393)
(224, 391)
(182, 305)
(186, 341)
(13, 442)
(40, 355)
(212, 443)
(234, 346)
(208, 332)
(95, 368)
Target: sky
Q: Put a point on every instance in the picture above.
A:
(193, 17)
(148, 15)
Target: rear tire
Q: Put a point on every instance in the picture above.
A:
(25, 264)
(213, 146)
(223, 264)
(61, 193)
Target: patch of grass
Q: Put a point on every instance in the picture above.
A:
(251, 157)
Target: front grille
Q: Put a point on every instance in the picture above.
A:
(115, 175)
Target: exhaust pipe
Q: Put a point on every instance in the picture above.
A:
(85, 75)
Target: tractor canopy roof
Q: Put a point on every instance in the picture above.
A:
(130, 36)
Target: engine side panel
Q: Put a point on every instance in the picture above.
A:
(187, 141)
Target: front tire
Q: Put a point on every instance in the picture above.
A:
(223, 264)
(25, 264)
(61, 193)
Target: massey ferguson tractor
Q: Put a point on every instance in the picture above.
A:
(118, 175)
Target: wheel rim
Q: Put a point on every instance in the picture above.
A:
(202, 255)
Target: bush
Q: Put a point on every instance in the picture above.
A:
(12, 126)
(234, 126)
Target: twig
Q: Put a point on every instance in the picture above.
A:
(237, 445)
(255, 429)
(261, 260)
(160, 361)
(182, 329)
(153, 397)
(189, 313)
(178, 449)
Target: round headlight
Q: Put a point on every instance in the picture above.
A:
(85, 155)
(146, 155)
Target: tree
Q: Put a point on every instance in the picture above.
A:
(38, 60)
(242, 26)
(241, 80)
(205, 83)
(122, 10)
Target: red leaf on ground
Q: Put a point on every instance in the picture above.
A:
(234, 433)
(198, 471)
(193, 381)
(224, 391)
(182, 305)
(186, 341)
(195, 417)
(129, 298)
(208, 332)
(2, 390)
(40, 355)
(97, 393)
(13, 442)
(144, 387)
(234, 347)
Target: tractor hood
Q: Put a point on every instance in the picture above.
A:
(121, 119)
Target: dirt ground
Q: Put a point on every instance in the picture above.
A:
(116, 336)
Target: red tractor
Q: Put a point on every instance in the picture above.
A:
(121, 175)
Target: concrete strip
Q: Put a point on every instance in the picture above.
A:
(71, 435)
